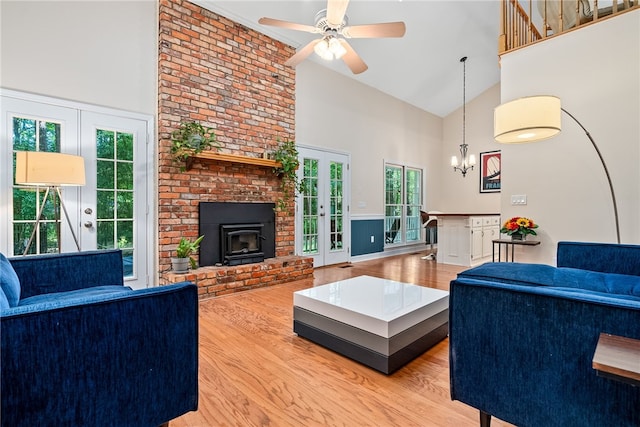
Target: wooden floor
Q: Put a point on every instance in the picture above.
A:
(254, 371)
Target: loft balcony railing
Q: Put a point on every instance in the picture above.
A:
(522, 23)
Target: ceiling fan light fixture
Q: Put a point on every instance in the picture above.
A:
(336, 48)
(332, 26)
(329, 48)
(322, 50)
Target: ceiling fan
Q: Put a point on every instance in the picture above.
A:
(332, 24)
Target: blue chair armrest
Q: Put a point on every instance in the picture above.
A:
(126, 359)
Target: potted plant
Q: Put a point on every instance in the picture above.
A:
(191, 138)
(287, 156)
(183, 258)
(518, 227)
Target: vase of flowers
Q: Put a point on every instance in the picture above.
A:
(519, 227)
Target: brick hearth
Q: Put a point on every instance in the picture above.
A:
(216, 281)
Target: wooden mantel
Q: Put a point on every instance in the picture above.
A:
(231, 158)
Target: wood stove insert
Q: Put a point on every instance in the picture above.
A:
(236, 233)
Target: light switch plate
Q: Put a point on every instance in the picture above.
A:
(518, 199)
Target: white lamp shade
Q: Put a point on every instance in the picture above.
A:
(322, 50)
(51, 169)
(336, 48)
(527, 119)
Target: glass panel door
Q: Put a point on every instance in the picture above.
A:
(322, 219)
(310, 214)
(114, 206)
(110, 211)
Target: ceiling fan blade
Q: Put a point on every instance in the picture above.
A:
(302, 53)
(352, 59)
(335, 11)
(288, 25)
(387, 29)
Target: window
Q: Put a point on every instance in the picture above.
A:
(403, 200)
(335, 204)
(115, 195)
(31, 134)
(310, 207)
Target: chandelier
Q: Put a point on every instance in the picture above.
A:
(467, 161)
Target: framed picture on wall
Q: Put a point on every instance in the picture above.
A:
(490, 168)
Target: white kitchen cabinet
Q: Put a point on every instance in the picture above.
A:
(466, 239)
(490, 232)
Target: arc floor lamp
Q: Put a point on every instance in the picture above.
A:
(53, 170)
(535, 118)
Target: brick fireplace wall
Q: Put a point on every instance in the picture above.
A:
(230, 78)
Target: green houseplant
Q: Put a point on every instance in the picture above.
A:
(191, 138)
(183, 258)
(287, 156)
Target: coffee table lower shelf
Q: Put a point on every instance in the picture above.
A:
(382, 354)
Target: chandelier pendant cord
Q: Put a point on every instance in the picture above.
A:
(464, 99)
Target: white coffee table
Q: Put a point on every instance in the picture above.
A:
(381, 323)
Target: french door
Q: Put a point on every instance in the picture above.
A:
(322, 213)
(113, 208)
(110, 211)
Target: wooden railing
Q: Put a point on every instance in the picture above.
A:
(518, 18)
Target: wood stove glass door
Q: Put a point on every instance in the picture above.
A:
(322, 214)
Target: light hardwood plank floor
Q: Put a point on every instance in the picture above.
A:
(254, 371)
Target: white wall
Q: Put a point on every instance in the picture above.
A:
(96, 52)
(333, 111)
(460, 194)
(596, 73)
(105, 53)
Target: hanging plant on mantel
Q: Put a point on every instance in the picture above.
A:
(287, 156)
(189, 139)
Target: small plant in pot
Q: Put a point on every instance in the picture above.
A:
(183, 259)
(191, 138)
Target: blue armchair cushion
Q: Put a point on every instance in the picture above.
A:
(546, 275)
(623, 284)
(9, 282)
(513, 272)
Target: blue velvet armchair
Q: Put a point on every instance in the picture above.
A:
(78, 348)
(522, 337)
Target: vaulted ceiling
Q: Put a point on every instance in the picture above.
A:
(423, 68)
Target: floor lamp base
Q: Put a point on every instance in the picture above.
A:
(57, 219)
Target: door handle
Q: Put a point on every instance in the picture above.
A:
(88, 224)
